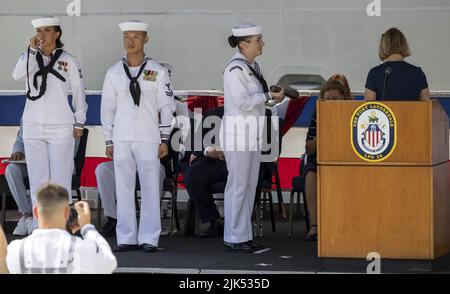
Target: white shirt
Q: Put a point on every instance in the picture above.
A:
(122, 120)
(243, 93)
(244, 98)
(49, 251)
(53, 107)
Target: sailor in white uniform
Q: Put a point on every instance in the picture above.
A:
(105, 175)
(49, 124)
(245, 95)
(136, 91)
(51, 249)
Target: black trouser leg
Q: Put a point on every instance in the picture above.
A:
(199, 178)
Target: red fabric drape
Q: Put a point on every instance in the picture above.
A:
(88, 178)
(293, 111)
(204, 102)
(2, 166)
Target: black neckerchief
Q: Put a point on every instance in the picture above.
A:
(43, 71)
(135, 89)
(257, 73)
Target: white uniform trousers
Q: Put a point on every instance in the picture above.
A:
(240, 190)
(143, 157)
(106, 185)
(15, 175)
(49, 155)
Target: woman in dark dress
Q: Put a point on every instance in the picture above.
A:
(396, 79)
(336, 88)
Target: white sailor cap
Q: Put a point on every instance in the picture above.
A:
(48, 21)
(246, 29)
(133, 25)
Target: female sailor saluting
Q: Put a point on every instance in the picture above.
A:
(49, 123)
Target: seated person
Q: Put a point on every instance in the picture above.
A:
(15, 175)
(336, 88)
(51, 249)
(207, 167)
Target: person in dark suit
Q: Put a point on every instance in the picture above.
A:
(207, 168)
(395, 79)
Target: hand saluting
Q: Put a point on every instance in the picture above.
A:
(35, 42)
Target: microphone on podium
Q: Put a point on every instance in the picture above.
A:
(387, 72)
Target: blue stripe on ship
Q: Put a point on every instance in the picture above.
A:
(11, 108)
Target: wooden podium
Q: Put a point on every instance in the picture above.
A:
(398, 207)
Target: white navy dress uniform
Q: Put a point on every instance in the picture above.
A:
(48, 251)
(244, 96)
(132, 127)
(105, 175)
(48, 120)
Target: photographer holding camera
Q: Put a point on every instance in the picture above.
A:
(51, 249)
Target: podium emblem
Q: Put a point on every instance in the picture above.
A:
(373, 131)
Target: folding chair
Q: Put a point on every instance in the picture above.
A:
(298, 187)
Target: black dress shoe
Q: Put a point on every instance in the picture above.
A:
(238, 247)
(109, 229)
(311, 237)
(125, 247)
(214, 231)
(255, 245)
(148, 247)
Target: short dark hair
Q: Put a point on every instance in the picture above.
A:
(59, 44)
(234, 41)
(49, 196)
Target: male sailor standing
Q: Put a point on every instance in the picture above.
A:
(135, 90)
(106, 184)
(49, 124)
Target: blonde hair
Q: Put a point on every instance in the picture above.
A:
(393, 42)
